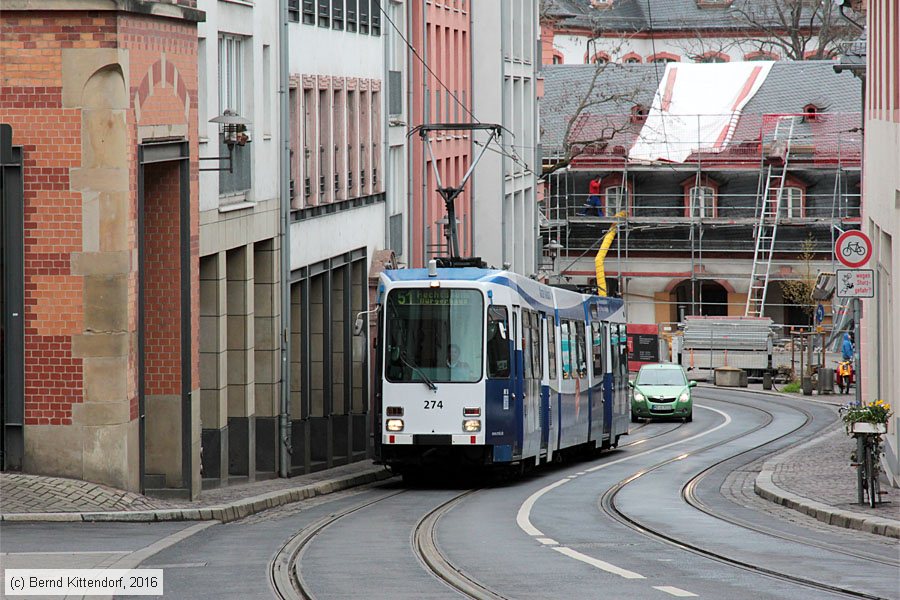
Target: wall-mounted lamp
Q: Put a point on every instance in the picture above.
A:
(235, 131)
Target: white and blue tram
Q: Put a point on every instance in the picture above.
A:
(486, 367)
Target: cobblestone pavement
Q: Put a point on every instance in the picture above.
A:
(34, 493)
(39, 494)
(821, 471)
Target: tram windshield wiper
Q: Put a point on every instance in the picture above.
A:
(419, 371)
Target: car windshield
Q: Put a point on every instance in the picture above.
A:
(661, 377)
(434, 334)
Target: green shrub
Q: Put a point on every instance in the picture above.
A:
(792, 387)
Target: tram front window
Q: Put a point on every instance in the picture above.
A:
(434, 334)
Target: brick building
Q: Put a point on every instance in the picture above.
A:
(100, 241)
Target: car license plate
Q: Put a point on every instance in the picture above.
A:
(660, 407)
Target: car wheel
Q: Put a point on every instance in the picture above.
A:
(689, 418)
(634, 417)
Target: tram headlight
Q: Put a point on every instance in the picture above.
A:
(685, 396)
(394, 425)
(639, 396)
(471, 425)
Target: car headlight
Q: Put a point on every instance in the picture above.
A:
(394, 425)
(471, 425)
(685, 396)
(639, 396)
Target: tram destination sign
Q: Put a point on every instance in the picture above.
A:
(855, 283)
(433, 297)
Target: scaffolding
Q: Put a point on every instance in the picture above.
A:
(745, 224)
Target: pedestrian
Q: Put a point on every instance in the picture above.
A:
(593, 198)
(847, 347)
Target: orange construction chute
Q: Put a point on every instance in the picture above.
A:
(601, 254)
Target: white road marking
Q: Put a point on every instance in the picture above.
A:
(548, 541)
(523, 517)
(600, 564)
(674, 591)
(63, 553)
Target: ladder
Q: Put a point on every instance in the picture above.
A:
(770, 207)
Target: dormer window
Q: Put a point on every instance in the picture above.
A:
(639, 113)
(811, 113)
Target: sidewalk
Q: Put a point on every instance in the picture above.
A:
(816, 478)
(39, 498)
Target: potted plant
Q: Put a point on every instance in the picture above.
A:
(866, 418)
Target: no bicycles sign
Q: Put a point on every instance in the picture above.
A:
(853, 249)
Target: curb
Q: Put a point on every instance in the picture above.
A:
(765, 487)
(223, 513)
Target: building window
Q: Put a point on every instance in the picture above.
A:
(811, 113)
(294, 11)
(351, 15)
(363, 16)
(376, 17)
(639, 113)
(309, 12)
(663, 57)
(760, 55)
(631, 59)
(323, 13)
(614, 200)
(231, 73)
(337, 14)
(702, 201)
(791, 203)
(713, 57)
(600, 58)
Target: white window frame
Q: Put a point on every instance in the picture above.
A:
(791, 202)
(231, 73)
(619, 195)
(702, 200)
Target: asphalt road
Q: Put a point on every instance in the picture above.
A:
(615, 526)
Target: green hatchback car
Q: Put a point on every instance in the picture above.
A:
(661, 390)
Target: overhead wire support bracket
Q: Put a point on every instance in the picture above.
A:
(449, 193)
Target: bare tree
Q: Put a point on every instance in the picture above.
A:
(795, 29)
(799, 291)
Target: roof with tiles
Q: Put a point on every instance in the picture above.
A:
(789, 88)
(642, 15)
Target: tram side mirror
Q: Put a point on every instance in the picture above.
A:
(358, 325)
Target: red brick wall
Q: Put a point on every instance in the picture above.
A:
(162, 273)
(31, 101)
(31, 44)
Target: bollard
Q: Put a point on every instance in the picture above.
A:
(767, 380)
(806, 385)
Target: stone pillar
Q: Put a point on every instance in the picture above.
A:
(267, 353)
(241, 362)
(214, 368)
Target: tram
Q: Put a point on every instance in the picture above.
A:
(485, 368)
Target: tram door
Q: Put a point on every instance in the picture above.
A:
(516, 376)
(531, 378)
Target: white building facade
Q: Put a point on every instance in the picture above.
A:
(239, 242)
(506, 52)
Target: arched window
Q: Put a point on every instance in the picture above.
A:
(639, 113)
(663, 57)
(632, 58)
(811, 113)
(713, 57)
(600, 58)
(792, 202)
(760, 55)
(702, 201)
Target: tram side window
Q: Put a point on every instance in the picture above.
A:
(536, 340)
(565, 349)
(497, 342)
(551, 347)
(623, 353)
(526, 345)
(579, 350)
(597, 348)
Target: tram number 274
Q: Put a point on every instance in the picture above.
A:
(429, 404)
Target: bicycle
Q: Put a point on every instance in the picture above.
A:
(869, 445)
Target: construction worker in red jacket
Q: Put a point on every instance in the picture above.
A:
(593, 198)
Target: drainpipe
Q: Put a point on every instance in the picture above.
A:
(284, 415)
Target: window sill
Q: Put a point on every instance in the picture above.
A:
(240, 2)
(236, 206)
(202, 140)
(267, 136)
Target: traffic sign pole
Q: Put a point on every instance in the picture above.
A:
(858, 330)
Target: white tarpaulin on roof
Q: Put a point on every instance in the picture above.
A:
(696, 108)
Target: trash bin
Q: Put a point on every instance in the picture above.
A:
(826, 380)
(767, 380)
